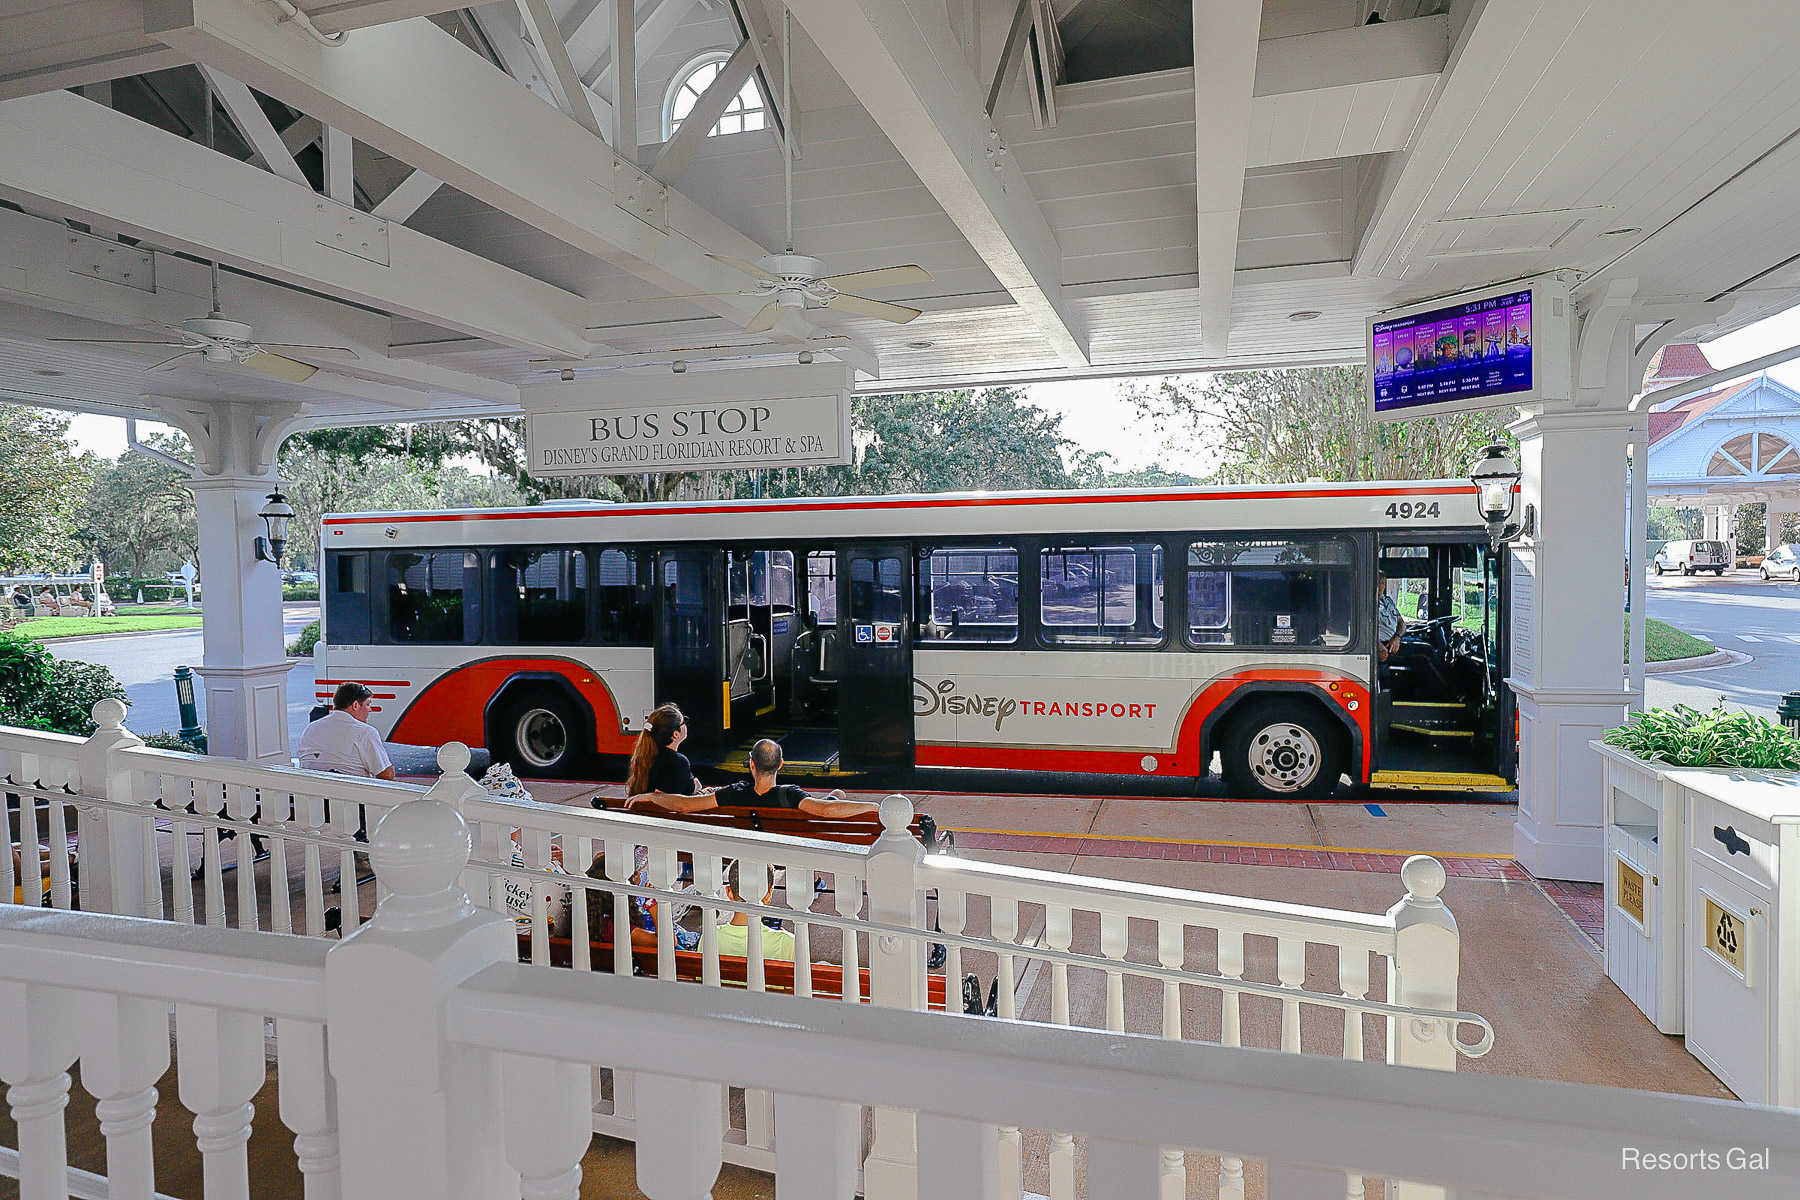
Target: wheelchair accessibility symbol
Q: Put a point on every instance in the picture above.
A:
(865, 634)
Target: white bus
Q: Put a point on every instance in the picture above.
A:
(1084, 633)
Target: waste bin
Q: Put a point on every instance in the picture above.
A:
(1743, 903)
(1646, 853)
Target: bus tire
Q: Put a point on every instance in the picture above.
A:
(1285, 750)
(538, 732)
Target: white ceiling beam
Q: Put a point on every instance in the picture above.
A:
(755, 27)
(75, 157)
(575, 20)
(414, 92)
(559, 72)
(625, 79)
(699, 122)
(301, 132)
(407, 197)
(901, 59)
(340, 166)
(255, 125)
(655, 22)
(1225, 53)
(335, 15)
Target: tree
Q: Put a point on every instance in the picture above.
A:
(1290, 425)
(140, 511)
(43, 484)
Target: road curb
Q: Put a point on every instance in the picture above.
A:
(1700, 662)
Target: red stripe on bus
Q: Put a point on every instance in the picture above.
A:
(1029, 758)
(1345, 691)
(364, 682)
(883, 503)
(452, 707)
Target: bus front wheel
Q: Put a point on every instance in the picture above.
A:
(1283, 751)
(537, 733)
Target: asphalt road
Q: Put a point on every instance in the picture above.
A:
(1735, 612)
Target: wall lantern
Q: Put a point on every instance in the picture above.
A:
(275, 514)
(1496, 476)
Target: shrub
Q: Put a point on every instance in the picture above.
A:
(302, 646)
(41, 691)
(299, 591)
(162, 739)
(1688, 737)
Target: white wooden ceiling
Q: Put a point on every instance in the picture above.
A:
(1454, 144)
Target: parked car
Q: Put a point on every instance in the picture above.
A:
(300, 577)
(1691, 556)
(1782, 563)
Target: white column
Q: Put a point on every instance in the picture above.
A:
(1771, 527)
(244, 662)
(1567, 588)
(896, 970)
(1728, 533)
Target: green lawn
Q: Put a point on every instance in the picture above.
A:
(44, 628)
(157, 610)
(1662, 642)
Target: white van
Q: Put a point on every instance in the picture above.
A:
(1688, 557)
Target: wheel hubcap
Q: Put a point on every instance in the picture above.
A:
(542, 738)
(1284, 757)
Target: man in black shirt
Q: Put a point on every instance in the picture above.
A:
(762, 790)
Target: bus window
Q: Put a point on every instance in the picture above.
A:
(626, 580)
(1102, 596)
(1271, 592)
(875, 591)
(969, 594)
(540, 596)
(781, 580)
(821, 586)
(347, 597)
(426, 596)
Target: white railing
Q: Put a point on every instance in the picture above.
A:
(166, 834)
(453, 1071)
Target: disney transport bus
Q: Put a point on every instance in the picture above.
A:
(1081, 633)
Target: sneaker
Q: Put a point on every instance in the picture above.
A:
(938, 956)
(971, 994)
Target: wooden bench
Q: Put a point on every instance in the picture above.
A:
(852, 831)
(778, 975)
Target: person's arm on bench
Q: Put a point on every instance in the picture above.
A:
(669, 802)
(835, 805)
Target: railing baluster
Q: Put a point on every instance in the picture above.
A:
(1288, 1181)
(535, 847)
(346, 821)
(220, 1066)
(1057, 935)
(1291, 970)
(953, 919)
(817, 1147)
(1231, 966)
(1113, 929)
(709, 878)
(751, 874)
(545, 1113)
(310, 811)
(1171, 953)
(1004, 921)
(244, 804)
(679, 1131)
(31, 875)
(1353, 978)
(1062, 1166)
(802, 928)
(124, 1051)
(619, 858)
(60, 896)
(307, 1102)
(1124, 1170)
(847, 899)
(279, 812)
(957, 1160)
(581, 950)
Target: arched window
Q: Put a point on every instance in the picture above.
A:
(745, 112)
(1755, 454)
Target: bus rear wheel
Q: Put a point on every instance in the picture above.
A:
(538, 733)
(1282, 751)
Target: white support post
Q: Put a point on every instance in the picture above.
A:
(896, 970)
(624, 91)
(1771, 526)
(1421, 974)
(1568, 672)
(112, 842)
(1636, 535)
(417, 1117)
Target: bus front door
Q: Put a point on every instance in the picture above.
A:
(875, 717)
(690, 660)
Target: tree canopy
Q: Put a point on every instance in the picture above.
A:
(1284, 426)
(140, 512)
(43, 487)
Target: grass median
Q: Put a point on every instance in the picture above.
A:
(43, 629)
(1665, 643)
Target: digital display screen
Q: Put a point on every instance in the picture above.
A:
(1463, 352)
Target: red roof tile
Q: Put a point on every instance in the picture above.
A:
(1677, 362)
(1675, 416)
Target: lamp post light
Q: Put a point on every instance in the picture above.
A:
(275, 514)
(1496, 479)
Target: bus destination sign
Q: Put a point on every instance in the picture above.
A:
(716, 421)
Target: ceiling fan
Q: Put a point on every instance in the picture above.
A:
(217, 338)
(796, 281)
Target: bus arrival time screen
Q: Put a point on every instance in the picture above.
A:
(1463, 352)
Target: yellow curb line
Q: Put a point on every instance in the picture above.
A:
(1126, 837)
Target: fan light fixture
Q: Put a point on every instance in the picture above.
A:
(275, 514)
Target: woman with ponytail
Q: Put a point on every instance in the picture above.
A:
(657, 764)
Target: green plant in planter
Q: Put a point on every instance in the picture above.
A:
(1687, 737)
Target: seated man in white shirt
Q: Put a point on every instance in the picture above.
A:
(342, 741)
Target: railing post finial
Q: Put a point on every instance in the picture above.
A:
(1424, 878)
(109, 715)
(419, 850)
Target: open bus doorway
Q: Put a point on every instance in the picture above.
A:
(1443, 712)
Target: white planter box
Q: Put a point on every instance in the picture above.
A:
(1646, 855)
(1743, 983)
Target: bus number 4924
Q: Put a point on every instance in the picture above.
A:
(1406, 510)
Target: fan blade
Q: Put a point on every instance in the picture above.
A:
(862, 306)
(748, 268)
(765, 319)
(168, 364)
(884, 277)
(283, 368)
(114, 342)
(335, 351)
(686, 296)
